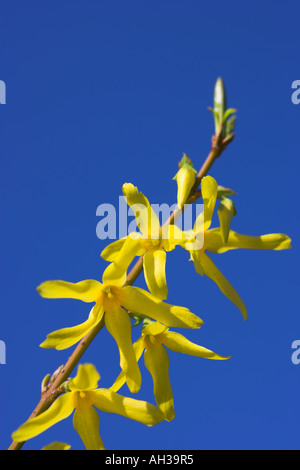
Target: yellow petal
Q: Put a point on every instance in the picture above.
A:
(138, 348)
(211, 271)
(86, 423)
(115, 273)
(155, 273)
(119, 326)
(157, 362)
(61, 409)
(139, 301)
(146, 219)
(209, 191)
(111, 402)
(178, 343)
(57, 446)
(193, 240)
(112, 250)
(112, 277)
(195, 257)
(87, 291)
(87, 378)
(154, 329)
(173, 236)
(67, 337)
(274, 241)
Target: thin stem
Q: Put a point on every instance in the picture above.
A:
(50, 395)
(53, 392)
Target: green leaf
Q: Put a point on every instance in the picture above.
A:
(216, 118)
(225, 192)
(228, 113)
(229, 126)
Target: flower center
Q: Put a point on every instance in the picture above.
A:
(82, 400)
(153, 339)
(153, 241)
(110, 297)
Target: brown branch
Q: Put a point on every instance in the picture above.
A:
(52, 392)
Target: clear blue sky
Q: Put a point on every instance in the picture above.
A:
(103, 92)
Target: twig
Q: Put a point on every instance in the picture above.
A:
(49, 396)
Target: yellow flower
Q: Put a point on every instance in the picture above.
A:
(154, 341)
(84, 397)
(57, 446)
(109, 298)
(153, 242)
(222, 239)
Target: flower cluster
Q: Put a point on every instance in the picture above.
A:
(114, 302)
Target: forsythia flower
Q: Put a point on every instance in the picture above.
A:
(215, 242)
(152, 242)
(57, 446)
(185, 178)
(154, 341)
(109, 298)
(83, 397)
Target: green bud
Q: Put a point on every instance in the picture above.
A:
(137, 319)
(219, 102)
(147, 322)
(65, 386)
(56, 374)
(45, 382)
(223, 126)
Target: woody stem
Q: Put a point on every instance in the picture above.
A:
(50, 395)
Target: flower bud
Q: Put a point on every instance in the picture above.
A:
(226, 212)
(45, 382)
(220, 99)
(65, 386)
(56, 374)
(185, 180)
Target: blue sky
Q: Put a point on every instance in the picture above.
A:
(99, 93)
